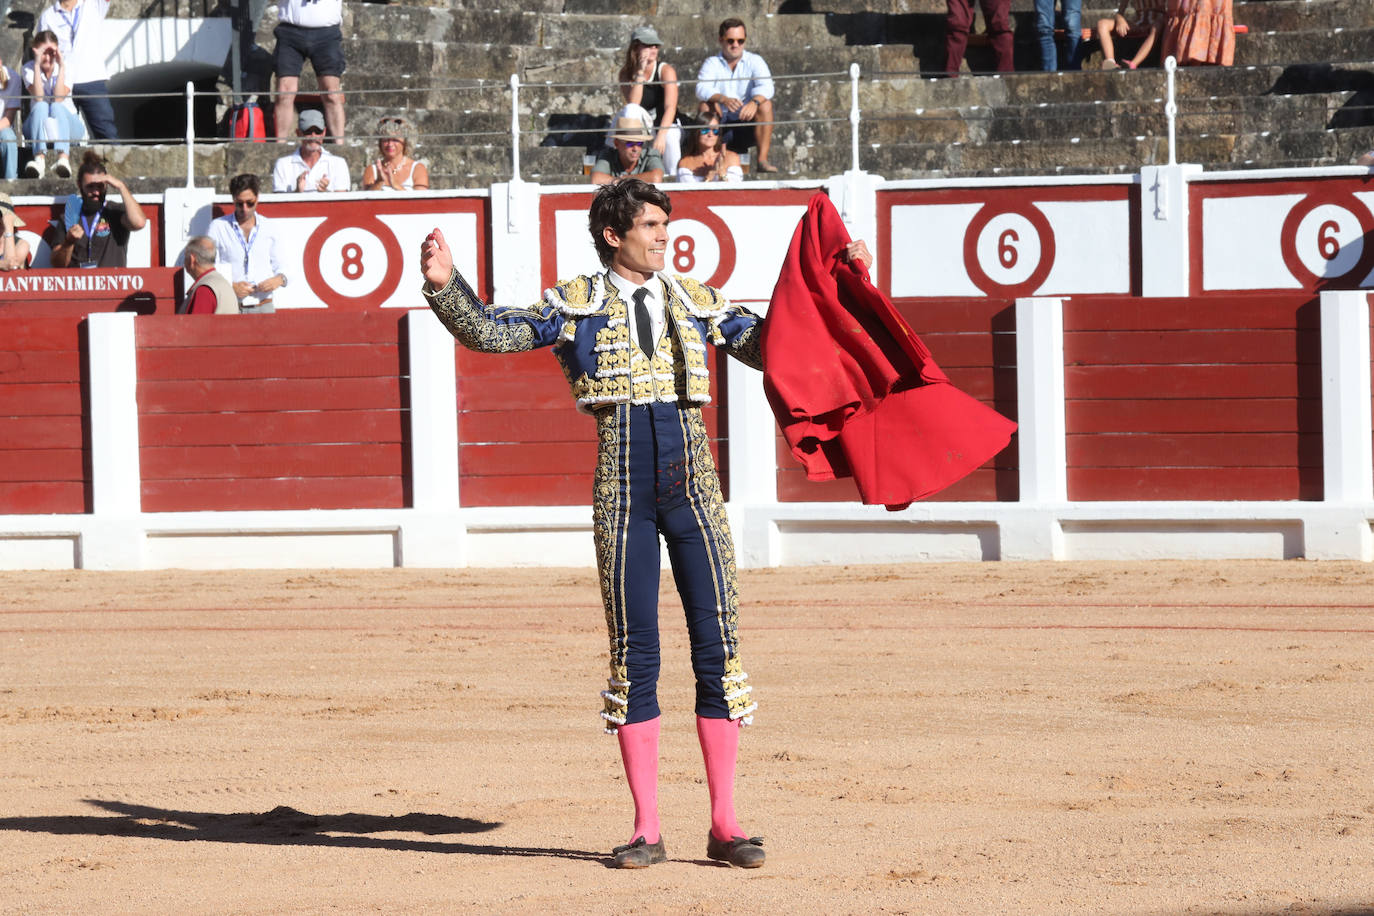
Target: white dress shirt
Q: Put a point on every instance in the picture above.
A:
(751, 78)
(253, 259)
(653, 301)
(310, 14)
(80, 38)
(289, 168)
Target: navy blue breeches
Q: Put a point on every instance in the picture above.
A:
(655, 476)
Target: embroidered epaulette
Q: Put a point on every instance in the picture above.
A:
(701, 300)
(579, 296)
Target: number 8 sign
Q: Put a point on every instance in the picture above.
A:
(353, 263)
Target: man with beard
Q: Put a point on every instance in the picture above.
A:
(97, 231)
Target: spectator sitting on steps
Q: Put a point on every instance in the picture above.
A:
(211, 293)
(707, 158)
(1149, 19)
(97, 230)
(632, 154)
(737, 86)
(395, 170)
(79, 26)
(10, 99)
(650, 82)
(311, 167)
(14, 251)
(52, 116)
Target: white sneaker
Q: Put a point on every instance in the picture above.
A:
(35, 168)
(62, 168)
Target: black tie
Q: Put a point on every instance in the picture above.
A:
(644, 328)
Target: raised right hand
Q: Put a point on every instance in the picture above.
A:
(436, 261)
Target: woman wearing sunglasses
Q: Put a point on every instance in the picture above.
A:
(707, 158)
(395, 170)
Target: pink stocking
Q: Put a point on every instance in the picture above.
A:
(639, 753)
(719, 748)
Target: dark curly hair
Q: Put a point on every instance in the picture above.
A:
(615, 206)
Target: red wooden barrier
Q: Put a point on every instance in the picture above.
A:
(76, 293)
(1181, 399)
(973, 341)
(44, 449)
(281, 411)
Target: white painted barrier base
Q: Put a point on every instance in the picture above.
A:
(779, 535)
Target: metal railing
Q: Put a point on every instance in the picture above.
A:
(520, 131)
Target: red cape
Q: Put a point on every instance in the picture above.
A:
(854, 390)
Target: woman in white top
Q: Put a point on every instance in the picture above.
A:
(52, 114)
(395, 170)
(707, 158)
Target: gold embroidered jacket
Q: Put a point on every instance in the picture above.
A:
(585, 321)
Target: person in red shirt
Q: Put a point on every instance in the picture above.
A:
(211, 293)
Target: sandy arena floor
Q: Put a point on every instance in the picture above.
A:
(998, 738)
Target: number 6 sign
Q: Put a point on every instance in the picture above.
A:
(1328, 239)
(1009, 252)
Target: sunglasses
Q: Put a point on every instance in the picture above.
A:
(733, 41)
(710, 130)
(314, 131)
(632, 144)
(246, 204)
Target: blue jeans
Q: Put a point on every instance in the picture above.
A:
(9, 153)
(95, 105)
(1073, 35)
(68, 127)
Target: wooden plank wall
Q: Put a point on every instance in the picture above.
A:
(44, 443)
(521, 442)
(1193, 399)
(296, 410)
(974, 342)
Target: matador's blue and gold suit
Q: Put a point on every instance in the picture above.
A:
(654, 472)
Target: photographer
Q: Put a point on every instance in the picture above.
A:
(97, 230)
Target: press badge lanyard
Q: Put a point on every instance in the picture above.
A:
(89, 228)
(73, 22)
(248, 241)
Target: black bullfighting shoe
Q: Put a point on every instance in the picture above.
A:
(739, 851)
(640, 854)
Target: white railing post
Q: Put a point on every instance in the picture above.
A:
(515, 126)
(854, 116)
(1171, 107)
(190, 134)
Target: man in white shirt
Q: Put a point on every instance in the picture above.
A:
(79, 26)
(309, 30)
(737, 86)
(248, 247)
(311, 167)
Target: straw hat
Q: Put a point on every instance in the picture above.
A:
(7, 204)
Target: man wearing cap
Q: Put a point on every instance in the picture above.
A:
(737, 85)
(311, 167)
(633, 153)
(14, 251)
